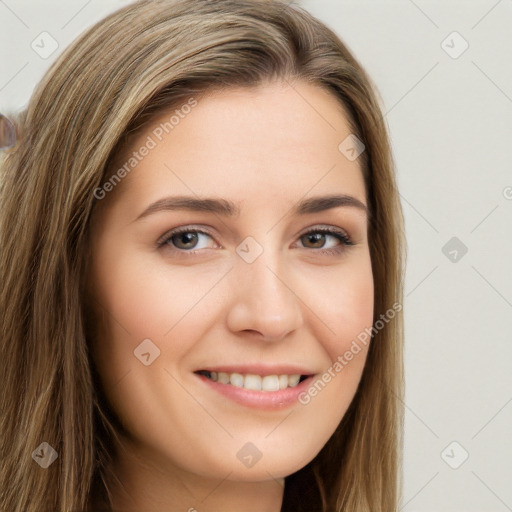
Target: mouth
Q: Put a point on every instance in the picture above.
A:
(262, 387)
(254, 382)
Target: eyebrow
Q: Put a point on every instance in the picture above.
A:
(230, 209)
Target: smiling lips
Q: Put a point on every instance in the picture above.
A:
(260, 386)
(267, 388)
(253, 381)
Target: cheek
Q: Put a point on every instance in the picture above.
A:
(345, 307)
(344, 301)
(147, 298)
(141, 298)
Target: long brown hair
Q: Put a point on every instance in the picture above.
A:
(113, 79)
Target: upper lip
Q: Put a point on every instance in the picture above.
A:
(259, 369)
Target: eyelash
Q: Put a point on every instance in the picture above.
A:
(340, 235)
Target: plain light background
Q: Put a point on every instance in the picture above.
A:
(449, 111)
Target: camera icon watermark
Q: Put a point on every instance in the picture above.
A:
(507, 193)
(249, 455)
(454, 249)
(44, 45)
(455, 455)
(454, 45)
(249, 250)
(351, 147)
(146, 352)
(44, 455)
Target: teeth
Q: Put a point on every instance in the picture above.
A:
(293, 380)
(236, 380)
(222, 377)
(255, 382)
(270, 383)
(252, 382)
(283, 381)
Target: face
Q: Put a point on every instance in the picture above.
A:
(203, 303)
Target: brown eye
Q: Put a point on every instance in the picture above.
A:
(317, 240)
(185, 240)
(327, 240)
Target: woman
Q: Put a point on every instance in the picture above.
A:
(201, 263)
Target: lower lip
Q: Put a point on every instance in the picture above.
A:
(266, 400)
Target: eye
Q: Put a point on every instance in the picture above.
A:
(326, 240)
(185, 239)
(189, 240)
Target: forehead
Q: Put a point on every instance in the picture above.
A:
(278, 139)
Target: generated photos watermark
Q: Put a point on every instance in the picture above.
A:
(157, 135)
(343, 360)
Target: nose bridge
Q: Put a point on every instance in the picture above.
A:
(265, 280)
(264, 301)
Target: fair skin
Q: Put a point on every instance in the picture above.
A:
(293, 309)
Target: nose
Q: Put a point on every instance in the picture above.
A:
(264, 301)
